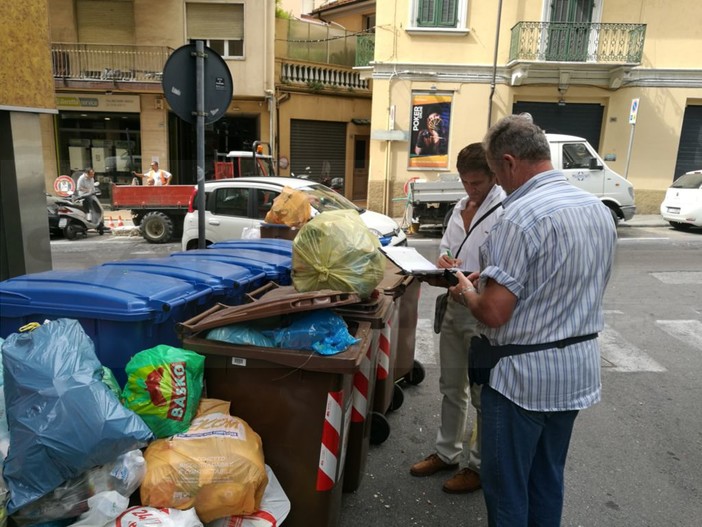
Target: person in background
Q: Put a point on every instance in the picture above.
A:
(538, 297)
(156, 176)
(471, 221)
(86, 187)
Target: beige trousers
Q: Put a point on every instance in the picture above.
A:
(452, 439)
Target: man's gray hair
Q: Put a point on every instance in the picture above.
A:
(518, 136)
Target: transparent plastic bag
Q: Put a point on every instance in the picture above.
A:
(335, 250)
(152, 517)
(71, 499)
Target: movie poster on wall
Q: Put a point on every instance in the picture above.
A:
(430, 123)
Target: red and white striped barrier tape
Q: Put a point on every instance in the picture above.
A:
(331, 441)
(361, 382)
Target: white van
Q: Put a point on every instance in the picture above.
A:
(433, 201)
(586, 170)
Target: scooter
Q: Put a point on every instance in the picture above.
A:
(76, 215)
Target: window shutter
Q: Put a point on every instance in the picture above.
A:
(425, 13)
(215, 21)
(105, 21)
(447, 13)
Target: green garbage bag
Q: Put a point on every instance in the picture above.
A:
(164, 386)
(335, 250)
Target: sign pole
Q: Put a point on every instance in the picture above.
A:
(633, 112)
(200, 139)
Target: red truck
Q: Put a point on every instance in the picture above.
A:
(159, 211)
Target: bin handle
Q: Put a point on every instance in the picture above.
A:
(254, 295)
(184, 329)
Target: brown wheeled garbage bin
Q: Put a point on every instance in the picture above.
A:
(299, 402)
(404, 289)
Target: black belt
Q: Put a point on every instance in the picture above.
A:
(483, 356)
(518, 349)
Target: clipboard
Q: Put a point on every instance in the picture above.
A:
(410, 261)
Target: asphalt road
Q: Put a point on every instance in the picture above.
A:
(635, 458)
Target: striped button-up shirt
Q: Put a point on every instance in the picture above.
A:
(554, 249)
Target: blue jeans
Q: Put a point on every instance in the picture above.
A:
(523, 459)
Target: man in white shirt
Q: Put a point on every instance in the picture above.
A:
(156, 176)
(470, 223)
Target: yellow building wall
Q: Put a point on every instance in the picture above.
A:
(669, 44)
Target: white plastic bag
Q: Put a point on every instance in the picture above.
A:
(104, 507)
(150, 517)
(274, 508)
(251, 233)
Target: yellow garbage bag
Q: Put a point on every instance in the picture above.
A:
(217, 466)
(335, 250)
(291, 207)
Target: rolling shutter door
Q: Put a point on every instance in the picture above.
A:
(690, 148)
(320, 145)
(583, 120)
(105, 21)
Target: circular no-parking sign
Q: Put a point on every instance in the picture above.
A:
(64, 186)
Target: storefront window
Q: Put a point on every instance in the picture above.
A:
(110, 143)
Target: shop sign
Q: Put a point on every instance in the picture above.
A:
(88, 102)
(430, 121)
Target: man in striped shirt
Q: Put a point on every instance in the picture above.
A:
(538, 298)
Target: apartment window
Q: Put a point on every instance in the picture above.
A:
(221, 26)
(439, 15)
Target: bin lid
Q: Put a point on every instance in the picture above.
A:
(394, 283)
(272, 245)
(217, 275)
(377, 309)
(271, 264)
(290, 302)
(98, 292)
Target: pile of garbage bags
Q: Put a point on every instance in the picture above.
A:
(79, 451)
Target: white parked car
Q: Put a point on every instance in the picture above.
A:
(231, 205)
(682, 206)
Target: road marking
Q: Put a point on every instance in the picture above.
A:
(426, 346)
(679, 277)
(687, 331)
(620, 355)
(612, 312)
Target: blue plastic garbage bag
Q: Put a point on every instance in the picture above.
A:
(322, 331)
(63, 419)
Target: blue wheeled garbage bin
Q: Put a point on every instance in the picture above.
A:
(277, 267)
(122, 311)
(273, 245)
(229, 282)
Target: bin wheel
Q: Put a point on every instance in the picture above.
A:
(380, 428)
(398, 397)
(417, 374)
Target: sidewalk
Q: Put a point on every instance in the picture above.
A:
(645, 220)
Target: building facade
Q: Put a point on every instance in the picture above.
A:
(622, 73)
(108, 58)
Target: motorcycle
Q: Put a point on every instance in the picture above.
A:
(77, 214)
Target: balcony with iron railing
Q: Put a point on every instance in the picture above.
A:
(578, 42)
(100, 63)
(562, 52)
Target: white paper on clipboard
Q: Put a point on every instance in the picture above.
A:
(410, 261)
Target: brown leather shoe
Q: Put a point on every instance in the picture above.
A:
(462, 482)
(430, 465)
